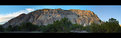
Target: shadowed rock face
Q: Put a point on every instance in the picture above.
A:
(48, 16)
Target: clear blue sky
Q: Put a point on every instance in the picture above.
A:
(104, 12)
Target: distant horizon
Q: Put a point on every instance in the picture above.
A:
(104, 12)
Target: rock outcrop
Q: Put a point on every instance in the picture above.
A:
(48, 16)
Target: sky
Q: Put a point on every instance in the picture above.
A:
(104, 12)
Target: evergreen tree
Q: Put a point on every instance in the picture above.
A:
(1, 28)
(28, 27)
(95, 28)
(110, 26)
(62, 26)
(77, 27)
(9, 28)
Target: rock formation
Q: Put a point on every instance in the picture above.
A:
(48, 16)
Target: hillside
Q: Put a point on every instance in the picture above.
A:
(48, 16)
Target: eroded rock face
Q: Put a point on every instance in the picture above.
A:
(48, 16)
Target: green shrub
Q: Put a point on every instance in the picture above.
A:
(111, 26)
(62, 26)
(29, 27)
(1, 28)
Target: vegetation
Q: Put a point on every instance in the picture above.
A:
(111, 26)
(23, 27)
(1, 28)
(62, 26)
(65, 26)
(77, 27)
(28, 27)
(9, 28)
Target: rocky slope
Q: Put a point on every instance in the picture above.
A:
(47, 16)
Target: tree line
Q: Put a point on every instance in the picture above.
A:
(65, 26)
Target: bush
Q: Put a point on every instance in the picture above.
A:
(28, 27)
(77, 27)
(9, 28)
(62, 26)
(1, 28)
(95, 28)
(65, 26)
(111, 26)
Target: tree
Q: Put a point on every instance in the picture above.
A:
(16, 28)
(1, 28)
(110, 26)
(9, 28)
(95, 28)
(62, 26)
(28, 27)
(76, 27)
(113, 20)
(42, 28)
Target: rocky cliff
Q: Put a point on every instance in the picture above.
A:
(48, 16)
